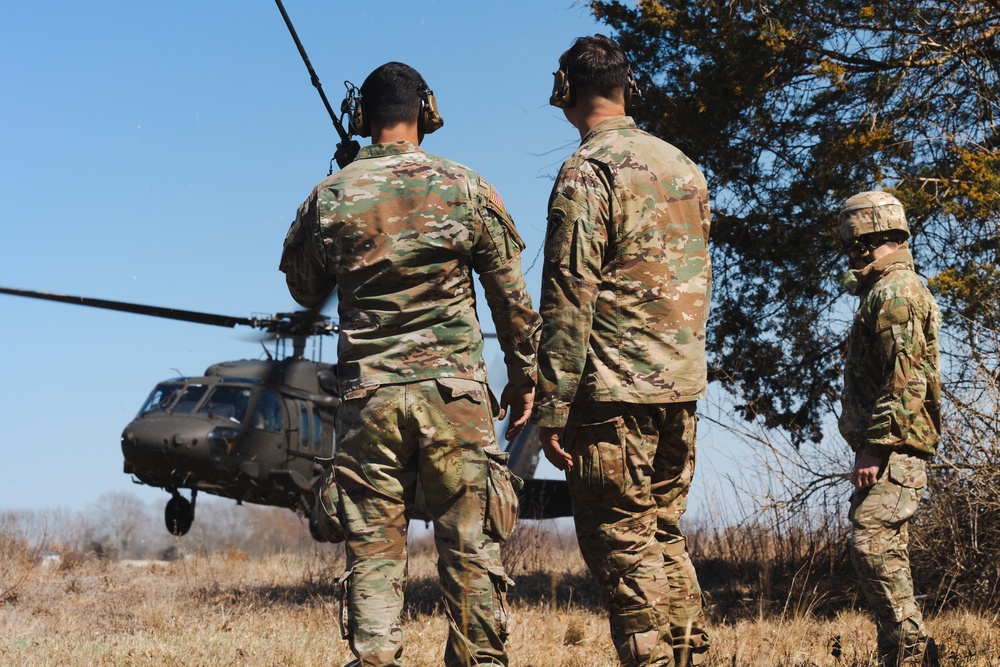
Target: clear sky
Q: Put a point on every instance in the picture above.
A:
(155, 153)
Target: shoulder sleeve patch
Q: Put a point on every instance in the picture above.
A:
(493, 203)
(496, 199)
(895, 315)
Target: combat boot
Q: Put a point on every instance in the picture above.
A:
(923, 653)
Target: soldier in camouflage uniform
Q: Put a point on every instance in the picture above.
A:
(398, 233)
(891, 413)
(621, 360)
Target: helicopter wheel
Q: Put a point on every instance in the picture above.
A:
(179, 515)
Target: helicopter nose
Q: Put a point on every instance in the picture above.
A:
(160, 451)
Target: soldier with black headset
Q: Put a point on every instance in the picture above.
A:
(399, 233)
(626, 286)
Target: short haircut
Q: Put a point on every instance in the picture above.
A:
(597, 66)
(391, 95)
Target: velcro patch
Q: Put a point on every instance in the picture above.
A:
(897, 315)
(496, 199)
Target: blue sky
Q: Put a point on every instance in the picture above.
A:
(155, 153)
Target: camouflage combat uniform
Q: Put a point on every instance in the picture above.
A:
(625, 298)
(891, 410)
(398, 233)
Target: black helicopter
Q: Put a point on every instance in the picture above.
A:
(253, 430)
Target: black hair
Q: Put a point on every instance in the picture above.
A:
(391, 95)
(596, 65)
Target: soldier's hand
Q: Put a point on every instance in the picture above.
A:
(866, 469)
(557, 456)
(519, 400)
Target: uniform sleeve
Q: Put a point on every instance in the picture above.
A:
(575, 242)
(302, 258)
(899, 345)
(497, 261)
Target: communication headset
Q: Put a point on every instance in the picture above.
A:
(564, 96)
(428, 121)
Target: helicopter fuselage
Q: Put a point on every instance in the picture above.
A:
(246, 430)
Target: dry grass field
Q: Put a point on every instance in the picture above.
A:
(226, 608)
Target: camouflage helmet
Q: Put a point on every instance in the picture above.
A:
(871, 212)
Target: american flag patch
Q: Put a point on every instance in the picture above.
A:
(496, 199)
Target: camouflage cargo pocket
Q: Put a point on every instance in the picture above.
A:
(327, 500)
(501, 617)
(906, 470)
(502, 487)
(344, 618)
(599, 459)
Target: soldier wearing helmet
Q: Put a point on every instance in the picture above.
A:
(891, 413)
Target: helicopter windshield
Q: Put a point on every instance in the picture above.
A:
(161, 398)
(190, 398)
(228, 401)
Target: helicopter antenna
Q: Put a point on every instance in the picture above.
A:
(347, 149)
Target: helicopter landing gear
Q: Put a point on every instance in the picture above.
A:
(179, 513)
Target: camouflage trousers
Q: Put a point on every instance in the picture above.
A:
(438, 434)
(632, 468)
(879, 516)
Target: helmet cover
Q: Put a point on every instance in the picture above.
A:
(871, 212)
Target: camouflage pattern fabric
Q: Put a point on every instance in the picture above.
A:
(626, 288)
(326, 507)
(892, 378)
(398, 233)
(627, 276)
(879, 516)
(632, 468)
(891, 410)
(437, 434)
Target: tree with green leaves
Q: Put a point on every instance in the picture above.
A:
(791, 107)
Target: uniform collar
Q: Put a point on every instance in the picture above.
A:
(390, 148)
(859, 281)
(616, 123)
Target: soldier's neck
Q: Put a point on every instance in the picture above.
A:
(401, 132)
(587, 114)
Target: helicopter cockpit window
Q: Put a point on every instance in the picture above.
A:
(190, 398)
(161, 398)
(228, 401)
(267, 413)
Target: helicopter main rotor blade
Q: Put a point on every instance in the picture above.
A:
(155, 311)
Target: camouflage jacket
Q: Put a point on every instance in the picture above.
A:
(398, 233)
(892, 378)
(626, 283)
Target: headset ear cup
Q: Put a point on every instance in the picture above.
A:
(359, 123)
(632, 91)
(353, 109)
(562, 93)
(430, 119)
